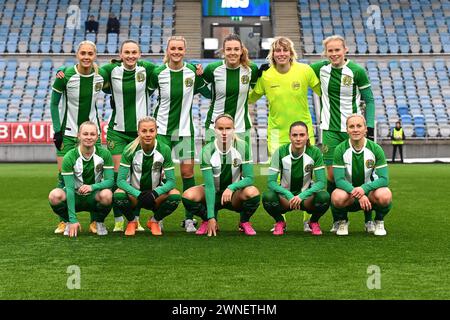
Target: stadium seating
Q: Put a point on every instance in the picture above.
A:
(51, 26)
(400, 27)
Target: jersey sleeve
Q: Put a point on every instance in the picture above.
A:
(167, 154)
(107, 158)
(59, 85)
(313, 80)
(318, 159)
(127, 158)
(208, 75)
(380, 161)
(275, 164)
(317, 66)
(67, 164)
(152, 83)
(361, 78)
(338, 159)
(206, 158)
(254, 77)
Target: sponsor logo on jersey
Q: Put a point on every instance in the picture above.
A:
(140, 76)
(309, 168)
(99, 167)
(98, 86)
(295, 85)
(324, 148)
(347, 81)
(157, 166)
(245, 79)
(189, 82)
(370, 163)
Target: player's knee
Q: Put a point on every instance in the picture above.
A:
(105, 197)
(192, 194)
(250, 192)
(383, 197)
(175, 192)
(56, 196)
(339, 198)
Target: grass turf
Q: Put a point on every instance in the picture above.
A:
(413, 257)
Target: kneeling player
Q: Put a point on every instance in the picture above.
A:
(227, 170)
(295, 162)
(143, 162)
(88, 173)
(361, 176)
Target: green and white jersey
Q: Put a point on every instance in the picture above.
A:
(79, 93)
(226, 167)
(340, 92)
(146, 170)
(296, 173)
(359, 165)
(86, 171)
(129, 92)
(230, 88)
(176, 94)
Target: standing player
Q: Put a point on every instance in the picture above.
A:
(361, 175)
(285, 84)
(227, 170)
(177, 84)
(128, 78)
(143, 164)
(231, 80)
(88, 175)
(78, 88)
(296, 162)
(344, 83)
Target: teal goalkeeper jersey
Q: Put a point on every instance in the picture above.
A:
(296, 173)
(129, 92)
(146, 170)
(86, 171)
(79, 93)
(230, 88)
(340, 93)
(360, 165)
(176, 89)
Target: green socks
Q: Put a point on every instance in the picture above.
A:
(167, 207)
(271, 203)
(188, 183)
(249, 207)
(194, 208)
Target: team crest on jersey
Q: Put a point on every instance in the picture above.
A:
(370, 164)
(347, 81)
(98, 86)
(245, 79)
(324, 148)
(99, 168)
(157, 166)
(140, 76)
(295, 85)
(188, 82)
(236, 162)
(309, 168)
(110, 144)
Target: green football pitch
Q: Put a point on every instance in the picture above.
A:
(411, 262)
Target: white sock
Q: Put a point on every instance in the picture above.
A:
(153, 219)
(118, 219)
(136, 219)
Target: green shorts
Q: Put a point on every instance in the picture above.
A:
(71, 142)
(184, 147)
(330, 140)
(85, 202)
(117, 141)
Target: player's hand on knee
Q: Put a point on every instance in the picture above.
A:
(226, 196)
(85, 189)
(358, 192)
(365, 204)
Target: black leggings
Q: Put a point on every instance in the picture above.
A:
(394, 151)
